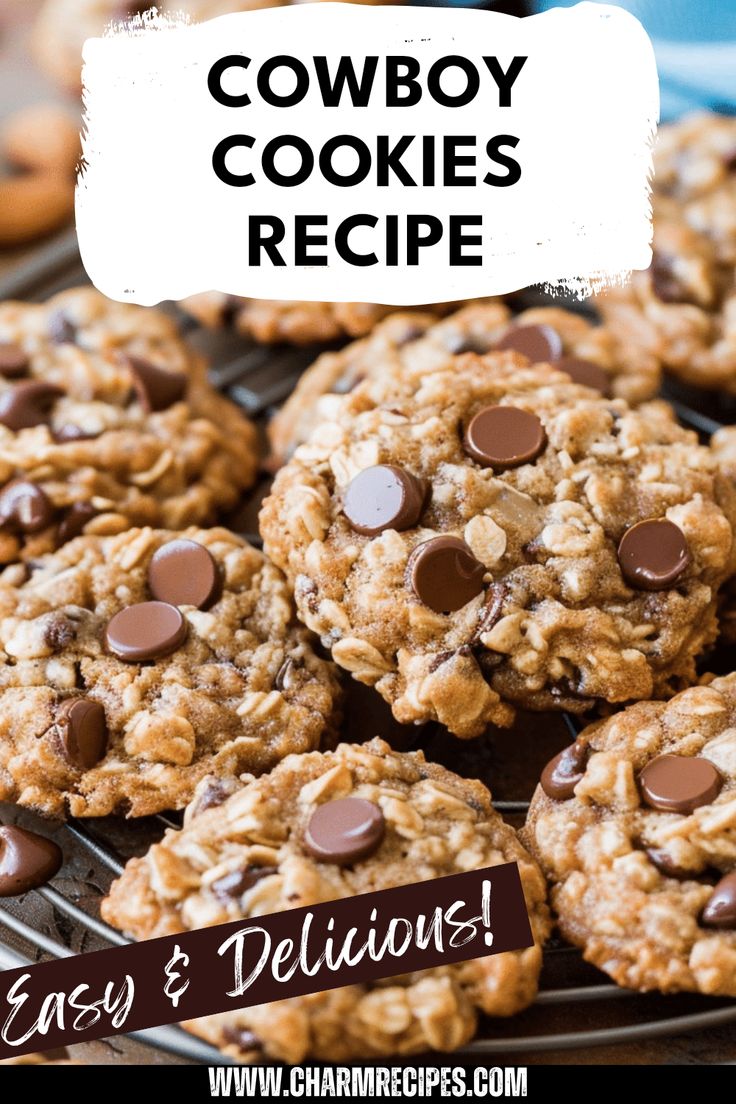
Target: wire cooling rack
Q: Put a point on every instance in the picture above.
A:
(576, 1007)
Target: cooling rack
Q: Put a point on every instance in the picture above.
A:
(576, 1007)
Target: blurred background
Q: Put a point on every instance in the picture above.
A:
(40, 62)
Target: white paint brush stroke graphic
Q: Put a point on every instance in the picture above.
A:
(155, 222)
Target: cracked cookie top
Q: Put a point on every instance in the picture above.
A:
(133, 665)
(271, 844)
(633, 825)
(107, 420)
(411, 343)
(500, 536)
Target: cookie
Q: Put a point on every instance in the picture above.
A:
(682, 309)
(499, 536)
(134, 665)
(633, 827)
(413, 343)
(270, 845)
(107, 420)
(62, 27)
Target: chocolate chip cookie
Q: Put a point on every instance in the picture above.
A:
(682, 309)
(633, 825)
(321, 827)
(413, 343)
(107, 420)
(500, 536)
(133, 665)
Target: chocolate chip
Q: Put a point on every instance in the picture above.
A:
(62, 330)
(679, 783)
(74, 521)
(653, 554)
(667, 866)
(28, 404)
(13, 360)
(344, 831)
(502, 437)
(155, 388)
(67, 433)
(25, 506)
(562, 774)
(146, 630)
(286, 675)
(720, 912)
(537, 343)
(81, 730)
(59, 632)
(444, 574)
(27, 860)
(586, 372)
(241, 1037)
(214, 794)
(467, 343)
(666, 284)
(384, 497)
(184, 573)
(492, 609)
(238, 882)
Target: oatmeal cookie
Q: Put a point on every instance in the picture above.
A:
(133, 665)
(63, 26)
(106, 420)
(414, 343)
(500, 536)
(682, 310)
(262, 849)
(633, 825)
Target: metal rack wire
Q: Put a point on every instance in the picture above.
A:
(259, 378)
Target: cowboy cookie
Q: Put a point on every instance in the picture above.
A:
(133, 665)
(321, 827)
(499, 536)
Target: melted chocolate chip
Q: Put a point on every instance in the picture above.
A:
(81, 730)
(384, 497)
(27, 860)
(59, 632)
(237, 882)
(444, 574)
(184, 573)
(146, 630)
(155, 388)
(62, 330)
(67, 433)
(286, 677)
(666, 284)
(720, 911)
(502, 437)
(25, 506)
(13, 360)
(214, 794)
(28, 404)
(562, 774)
(241, 1037)
(74, 521)
(666, 865)
(653, 554)
(344, 831)
(586, 372)
(679, 783)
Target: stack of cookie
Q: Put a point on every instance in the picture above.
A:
(474, 515)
